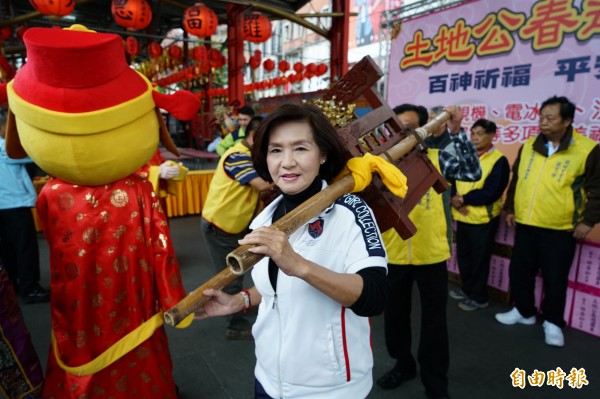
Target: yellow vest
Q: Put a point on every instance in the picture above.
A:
(549, 192)
(431, 243)
(480, 214)
(230, 205)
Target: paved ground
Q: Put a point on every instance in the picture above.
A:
(483, 353)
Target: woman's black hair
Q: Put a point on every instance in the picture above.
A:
(324, 134)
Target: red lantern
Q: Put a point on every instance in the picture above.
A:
(199, 53)
(258, 55)
(53, 7)
(214, 54)
(269, 65)
(321, 69)
(298, 67)
(5, 33)
(284, 66)
(257, 28)
(175, 52)
(200, 21)
(131, 14)
(222, 61)
(254, 62)
(132, 46)
(312, 68)
(155, 50)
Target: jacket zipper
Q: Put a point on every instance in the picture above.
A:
(537, 183)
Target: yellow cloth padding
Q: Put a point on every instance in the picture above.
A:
(153, 177)
(363, 167)
(185, 323)
(116, 351)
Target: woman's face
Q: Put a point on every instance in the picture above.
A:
(293, 157)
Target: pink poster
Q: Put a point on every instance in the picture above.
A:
(499, 60)
(498, 277)
(589, 265)
(586, 313)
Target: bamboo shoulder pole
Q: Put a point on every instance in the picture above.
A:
(241, 260)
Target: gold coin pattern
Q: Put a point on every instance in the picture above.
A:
(97, 300)
(162, 241)
(121, 264)
(119, 198)
(120, 231)
(91, 200)
(119, 298)
(81, 339)
(91, 235)
(71, 270)
(65, 201)
(144, 265)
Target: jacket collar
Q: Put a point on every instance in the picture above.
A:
(539, 145)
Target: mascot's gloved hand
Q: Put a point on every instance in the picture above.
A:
(168, 170)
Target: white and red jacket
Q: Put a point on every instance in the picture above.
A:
(308, 345)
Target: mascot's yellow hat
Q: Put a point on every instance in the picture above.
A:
(81, 113)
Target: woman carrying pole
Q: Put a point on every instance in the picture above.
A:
(316, 289)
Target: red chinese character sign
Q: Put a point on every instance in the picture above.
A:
(59, 8)
(200, 21)
(131, 14)
(257, 28)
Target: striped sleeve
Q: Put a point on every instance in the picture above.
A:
(238, 166)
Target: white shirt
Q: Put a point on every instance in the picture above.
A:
(308, 345)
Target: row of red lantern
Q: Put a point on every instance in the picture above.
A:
(202, 67)
(198, 20)
(192, 72)
(201, 21)
(264, 85)
(311, 68)
(198, 53)
(130, 14)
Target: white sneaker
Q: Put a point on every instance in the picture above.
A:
(553, 334)
(513, 317)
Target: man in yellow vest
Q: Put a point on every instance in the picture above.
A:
(231, 204)
(552, 201)
(422, 260)
(476, 209)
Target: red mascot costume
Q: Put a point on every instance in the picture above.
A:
(86, 118)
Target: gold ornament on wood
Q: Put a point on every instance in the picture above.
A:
(339, 114)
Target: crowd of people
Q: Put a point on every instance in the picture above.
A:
(315, 290)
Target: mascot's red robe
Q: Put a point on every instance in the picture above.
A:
(112, 268)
